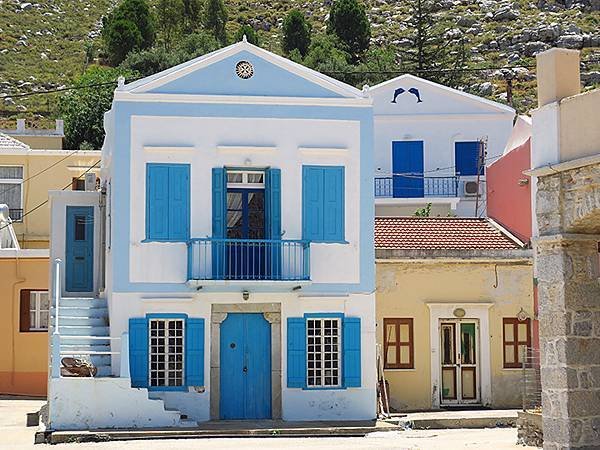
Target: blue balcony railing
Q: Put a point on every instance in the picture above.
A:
(415, 186)
(248, 259)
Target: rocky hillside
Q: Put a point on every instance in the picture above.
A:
(45, 43)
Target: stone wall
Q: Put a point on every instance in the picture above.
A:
(567, 270)
(529, 428)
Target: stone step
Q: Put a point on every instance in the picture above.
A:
(80, 311)
(66, 340)
(83, 301)
(81, 321)
(83, 330)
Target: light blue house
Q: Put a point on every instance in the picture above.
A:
(226, 269)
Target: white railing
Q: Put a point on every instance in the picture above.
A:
(55, 340)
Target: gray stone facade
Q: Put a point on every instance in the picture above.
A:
(567, 271)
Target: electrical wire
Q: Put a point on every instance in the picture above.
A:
(47, 200)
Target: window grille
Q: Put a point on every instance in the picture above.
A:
(323, 352)
(245, 179)
(39, 306)
(166, 352)
(11, 191)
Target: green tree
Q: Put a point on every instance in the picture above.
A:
(424, 212)
(83, 109)
(249, 32)
(378, 65)
(128, 27)
(296, 33)
(121, 36)
(170, 18)
(192, 14)
(157, 59)
(348, 21)
(435, 50)
(324, 55)
(215, 18)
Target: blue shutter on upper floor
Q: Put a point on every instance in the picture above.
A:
(351, 352)
(138, 352)
(273, 203)
(157, 201)
(194, 352)
(179, 202)
(296, 352)
(219, 202)
(466, 156)
(312, 203)
(333, 210)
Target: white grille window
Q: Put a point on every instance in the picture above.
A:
(166, 352)
(323, 352)
(39, 306)
(11, 192)
(245, 179)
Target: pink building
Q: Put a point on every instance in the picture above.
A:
(508, 189)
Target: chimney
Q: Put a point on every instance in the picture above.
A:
(20, 125)
(557, 75)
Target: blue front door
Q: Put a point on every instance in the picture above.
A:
(407, 167)
(79, 249)
(245, 351)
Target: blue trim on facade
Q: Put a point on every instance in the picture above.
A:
(324, 316)
(121, 166)
(150, 316)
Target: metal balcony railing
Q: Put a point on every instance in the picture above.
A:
(415, 186)
(248, 259)
(15, 214)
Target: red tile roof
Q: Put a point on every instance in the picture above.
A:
(440, 233)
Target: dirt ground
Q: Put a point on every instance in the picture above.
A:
(15, 435)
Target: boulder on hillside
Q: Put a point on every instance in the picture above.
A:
(570, 41)
(533, 48)
(505, 13)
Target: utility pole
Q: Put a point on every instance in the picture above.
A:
(480, 166)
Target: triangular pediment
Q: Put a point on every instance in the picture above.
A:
(411, 95)
(243, 69)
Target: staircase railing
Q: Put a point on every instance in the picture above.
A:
(55, 339)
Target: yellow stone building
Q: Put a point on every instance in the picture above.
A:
(454, 310)
(32, 162)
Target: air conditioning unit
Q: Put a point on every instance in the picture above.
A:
(472, 188)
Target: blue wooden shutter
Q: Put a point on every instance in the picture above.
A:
(219, 220)
(351, 348)
(157, 201)
(273, 203)
(312, 203)
(219, 202)
(333, 210)
(179, 202)
(466, 155)
(138, 352)
(296, 352)
(194, 352)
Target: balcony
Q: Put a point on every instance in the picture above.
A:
(248, 260)
(16, 214)
(416, 186)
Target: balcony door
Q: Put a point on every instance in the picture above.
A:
(407, 169)
(245, 222)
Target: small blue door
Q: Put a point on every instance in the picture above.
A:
(245, 367)
(79, 249)
(407, 167)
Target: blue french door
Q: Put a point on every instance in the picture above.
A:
(79, 249)
(407, 166)
(245, 220)
(245, 375)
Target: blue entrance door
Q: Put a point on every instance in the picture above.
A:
(407, 166)
(245, 367)
(79, 249)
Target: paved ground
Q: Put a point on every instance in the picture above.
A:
(15, 435)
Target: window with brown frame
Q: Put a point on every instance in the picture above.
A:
(516, 337)
(34, 310)
(398, 345)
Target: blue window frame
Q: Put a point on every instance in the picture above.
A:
(166, 352)
(466, 156)
(315, 357)
(167, 202)
(323, 203)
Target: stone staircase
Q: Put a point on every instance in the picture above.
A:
(84, 330)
